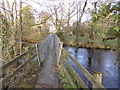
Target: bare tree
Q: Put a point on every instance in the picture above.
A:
(20, 14)
(79, 21)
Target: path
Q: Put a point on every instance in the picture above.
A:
(47, 77)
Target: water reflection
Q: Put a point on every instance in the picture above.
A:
(100, 61)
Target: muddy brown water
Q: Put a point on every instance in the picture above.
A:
(96, 60)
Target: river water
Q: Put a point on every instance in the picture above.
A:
(97, 60)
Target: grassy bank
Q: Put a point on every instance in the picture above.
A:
(64, 81)
(84, 42)
(29, 81)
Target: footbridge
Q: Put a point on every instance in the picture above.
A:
(50, 56)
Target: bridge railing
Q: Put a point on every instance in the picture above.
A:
(71, 73)
(58, 46)
(42, 47)
(63, 63)
(14, 70)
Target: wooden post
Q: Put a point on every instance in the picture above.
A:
(98, 77)
(36, 45)
(59, 54)
(0, 65)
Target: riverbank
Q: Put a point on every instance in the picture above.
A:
(84, 42)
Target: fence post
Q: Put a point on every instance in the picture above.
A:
(38, 58)
(61, 45)
(98, 77)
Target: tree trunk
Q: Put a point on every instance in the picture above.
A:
(20, 26)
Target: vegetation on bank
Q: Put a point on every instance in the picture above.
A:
(102, 31)
(64, 81)
(85, 42)
(29, 81)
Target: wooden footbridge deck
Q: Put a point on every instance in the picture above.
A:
(50, 55)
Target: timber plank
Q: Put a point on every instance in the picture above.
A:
(11, 85)
(68, 76)
(72, 71)
(8, 77)
(15, 59)
(85, 72)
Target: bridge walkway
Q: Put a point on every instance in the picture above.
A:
(47, 77)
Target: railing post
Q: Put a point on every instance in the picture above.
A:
(36, 45)
(1, 73)
(61, 46)
(98, 77)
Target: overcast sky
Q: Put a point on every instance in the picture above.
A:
(44, 3)
(66, 2)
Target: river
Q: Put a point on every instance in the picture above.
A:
(97, 60)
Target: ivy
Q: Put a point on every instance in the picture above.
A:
(117, 28)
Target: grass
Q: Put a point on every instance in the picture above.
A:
(111, 41)
(29, 80)
(63, 81)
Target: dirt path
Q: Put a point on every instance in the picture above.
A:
(47, 77)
